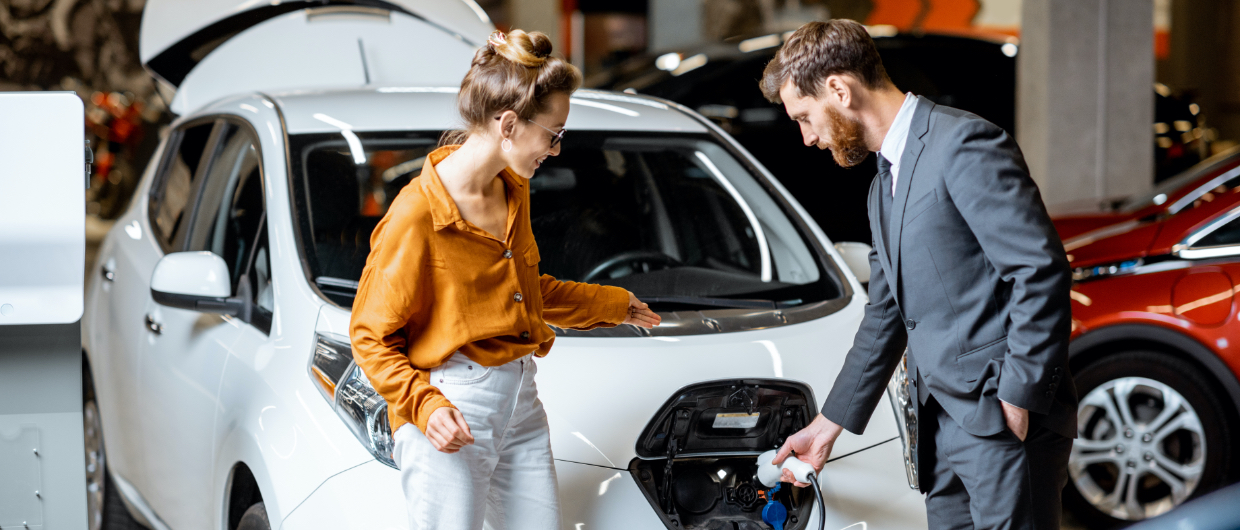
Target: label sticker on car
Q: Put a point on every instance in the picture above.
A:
(736, 420)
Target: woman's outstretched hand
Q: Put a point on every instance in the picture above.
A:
(641, 315)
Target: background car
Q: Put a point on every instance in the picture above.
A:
(721, 82)
(1153, 352)
(1170, 196)
(219, 384)
(970, 73)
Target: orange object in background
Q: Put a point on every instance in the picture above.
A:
(955, 16)
(903, 14)
(950, 14)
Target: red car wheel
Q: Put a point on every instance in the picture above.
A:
(1151, 435)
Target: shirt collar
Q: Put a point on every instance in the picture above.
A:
(893, 143)
(443, 209)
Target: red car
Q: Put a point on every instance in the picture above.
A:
(1169, 197)
(1156, 348)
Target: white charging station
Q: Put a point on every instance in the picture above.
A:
(43, 179)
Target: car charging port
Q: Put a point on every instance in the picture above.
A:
(718, 494)
(697, 459)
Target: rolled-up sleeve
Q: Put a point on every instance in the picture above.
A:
(382, 313)
(576, 305)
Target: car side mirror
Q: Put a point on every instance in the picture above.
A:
(857, 258)
(198, 281)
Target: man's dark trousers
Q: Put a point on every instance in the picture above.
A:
(968, 273)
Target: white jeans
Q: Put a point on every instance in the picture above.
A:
(506, 478)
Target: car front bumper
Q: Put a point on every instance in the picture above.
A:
(866, 489)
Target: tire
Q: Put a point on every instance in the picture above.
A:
(254, 518)
(1152, 434)
(104, 508)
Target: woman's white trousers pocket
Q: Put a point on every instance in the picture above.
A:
(506, 478)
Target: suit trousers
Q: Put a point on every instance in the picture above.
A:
(992, 482)
(506, 478)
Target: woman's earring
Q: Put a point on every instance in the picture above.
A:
(506, 145)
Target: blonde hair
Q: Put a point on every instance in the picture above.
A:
(511, 72)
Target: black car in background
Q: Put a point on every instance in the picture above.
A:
(721, 82)
(975, 74)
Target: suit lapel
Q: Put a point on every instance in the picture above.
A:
(913, 147)
(880, 239)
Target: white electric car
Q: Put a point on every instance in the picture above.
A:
(218, 380)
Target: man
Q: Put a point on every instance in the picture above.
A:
(966, 271)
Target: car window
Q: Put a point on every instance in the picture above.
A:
(1228, 234)
(662, 217)
(345, 199)
(171, 195)
(1193, 176)
(665, 216)
(230, 220)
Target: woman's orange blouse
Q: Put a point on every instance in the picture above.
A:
(435, 284)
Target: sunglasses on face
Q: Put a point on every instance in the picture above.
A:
(556, 137)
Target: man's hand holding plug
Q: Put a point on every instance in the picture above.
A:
(812, 446)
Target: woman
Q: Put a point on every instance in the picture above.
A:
(451, 311)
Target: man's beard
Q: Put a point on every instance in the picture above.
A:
(848, 146)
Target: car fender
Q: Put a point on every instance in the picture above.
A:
(1190, 347)
(240, 447)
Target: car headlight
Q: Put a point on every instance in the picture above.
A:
(906, 417)
(347, 388)
(1088, 273)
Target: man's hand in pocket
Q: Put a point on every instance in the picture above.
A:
(1017, 419)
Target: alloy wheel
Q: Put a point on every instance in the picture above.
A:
(1140, 451)
(95, 470)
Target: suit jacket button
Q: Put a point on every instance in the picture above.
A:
(1058, 369)
(911, 324)
(1049, 393)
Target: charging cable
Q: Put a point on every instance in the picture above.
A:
(768, 475)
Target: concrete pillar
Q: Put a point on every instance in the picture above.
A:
(538, 15)
(674, 24)
(1085, 100)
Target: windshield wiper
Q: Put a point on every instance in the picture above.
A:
(731, 303)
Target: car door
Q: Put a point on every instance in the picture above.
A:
(186, 350)
(125, 270)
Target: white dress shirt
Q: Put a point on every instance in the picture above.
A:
(897, 136)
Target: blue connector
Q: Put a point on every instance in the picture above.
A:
(774, 512)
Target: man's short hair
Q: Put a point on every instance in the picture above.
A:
(818, 50)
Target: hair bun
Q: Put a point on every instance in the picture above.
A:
(526, 49)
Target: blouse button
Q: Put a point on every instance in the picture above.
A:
(525, 335)
(518, 297)
(508, 254)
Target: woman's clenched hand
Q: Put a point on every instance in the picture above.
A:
(448, 431)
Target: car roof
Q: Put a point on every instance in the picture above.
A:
(400, 108)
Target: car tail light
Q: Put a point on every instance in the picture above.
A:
(347, 388)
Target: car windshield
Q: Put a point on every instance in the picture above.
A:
(1190, 177)
(673, 218)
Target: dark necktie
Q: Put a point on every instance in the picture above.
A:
(884, 209)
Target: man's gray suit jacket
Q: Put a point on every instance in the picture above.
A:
(972, 277)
